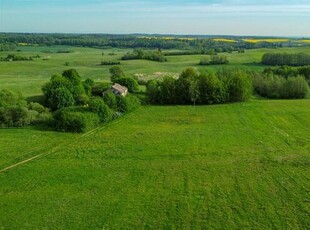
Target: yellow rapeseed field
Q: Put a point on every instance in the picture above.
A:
(223, 40)
(271, 40)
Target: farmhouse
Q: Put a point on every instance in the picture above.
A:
(118, 89)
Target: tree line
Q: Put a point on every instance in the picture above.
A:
(199, 43)
(288, 71)
(193, 87)
(214, 60)
(280, 59)
(146, 55)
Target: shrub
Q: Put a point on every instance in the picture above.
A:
(204, 61)
(127, 104)
(295, 88)
(273, 86)
(98, 106)
(82, 99)
(149, 55)
(14, 116)
(37, 107)
(75, 119)
(88, 83)
(110, 100)
(110, 63)
(215, 60)
(8, 98)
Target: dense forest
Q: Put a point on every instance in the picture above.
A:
(200, 44)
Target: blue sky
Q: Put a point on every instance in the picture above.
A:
(220, 17)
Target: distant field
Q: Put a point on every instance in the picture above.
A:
(223, 40)
(28, 77)
(237, 166)
(271, 40)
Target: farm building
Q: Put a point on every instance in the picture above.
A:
(118, 89)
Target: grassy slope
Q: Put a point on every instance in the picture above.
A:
(226, 167)
(28, 77)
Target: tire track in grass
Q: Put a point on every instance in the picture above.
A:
(46, 153)
(64, 145)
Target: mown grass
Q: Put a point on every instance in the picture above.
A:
(28, 76)
(235, 166)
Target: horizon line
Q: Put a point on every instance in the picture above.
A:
(158, 34)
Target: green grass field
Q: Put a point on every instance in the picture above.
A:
(235, 166)
(232, 166)
(28, 76)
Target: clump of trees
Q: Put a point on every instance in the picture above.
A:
(14, 57)
(7, 46)
(65, 90)
(146, 55)
(201, 88)
(280, 59)
(76, 107)
(110, 63)
(279, 87)
(16, 112)
(214, 60)
(288, 71)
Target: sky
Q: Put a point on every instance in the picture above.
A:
(203, 17)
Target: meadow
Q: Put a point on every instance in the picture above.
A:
(229, 166)
(27, 77)
(234, 166)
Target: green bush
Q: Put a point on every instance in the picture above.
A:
(110, 100)
(39, 115)
(88, 83)
(97, 105)
(75, 119)
(14, 116)
(128, 103)
(295, 88)
(13, 110)
(8, 98)
(37, 107)
(214, 60)
(273, 86)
